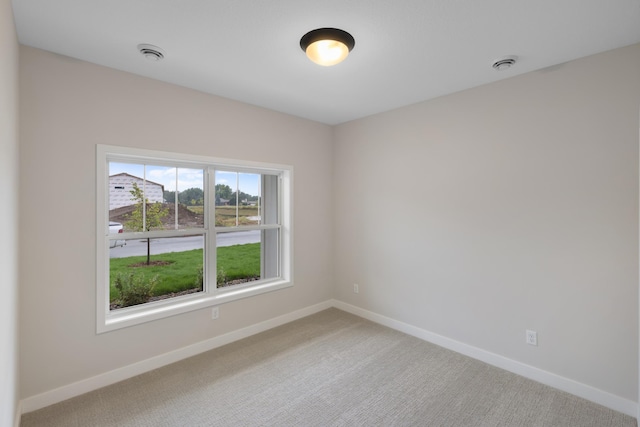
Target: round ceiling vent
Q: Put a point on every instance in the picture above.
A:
(151, 52)
(505, 62)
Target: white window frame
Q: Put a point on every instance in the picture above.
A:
(211, 295)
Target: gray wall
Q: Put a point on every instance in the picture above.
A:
(69, 106)
(478, 215)
(8, 215)
(506, 207)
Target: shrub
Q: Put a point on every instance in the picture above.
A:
(221, 278)
(199, 282)
(134, 289)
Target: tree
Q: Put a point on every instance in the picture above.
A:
(169, 196)
(223, 191)
(147, 218)
(243, 197)
(191, 196)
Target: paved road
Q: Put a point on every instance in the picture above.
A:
(179, 244)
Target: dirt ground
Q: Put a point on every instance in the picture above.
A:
(187, 218)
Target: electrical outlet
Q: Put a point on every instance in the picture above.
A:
(531, 337)
(356, 289)
(215, 313)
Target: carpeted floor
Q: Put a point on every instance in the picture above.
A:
(329, 369)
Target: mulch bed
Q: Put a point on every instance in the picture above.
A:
(188, 291)
(187, 217)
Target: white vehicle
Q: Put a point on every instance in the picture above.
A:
(116, 228)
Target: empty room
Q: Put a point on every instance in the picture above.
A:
(289, 213)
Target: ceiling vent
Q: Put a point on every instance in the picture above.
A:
(504, 63)
(152, 53)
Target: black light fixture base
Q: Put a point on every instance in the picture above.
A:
(327, 34)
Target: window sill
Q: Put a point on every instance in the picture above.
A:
(136, 315)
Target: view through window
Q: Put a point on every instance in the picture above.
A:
(176, 230)
(156, 260)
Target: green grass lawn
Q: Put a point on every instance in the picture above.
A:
(180, 271)
(238, 262)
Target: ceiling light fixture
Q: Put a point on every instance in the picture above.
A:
(505, 62)
(151, 52)
(327, 46)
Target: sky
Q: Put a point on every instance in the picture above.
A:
(188, 178)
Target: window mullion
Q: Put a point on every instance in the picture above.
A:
(175, 202)
(144, 198)
(210, 221)
(156, 234)
(237, 198)
(220, 230)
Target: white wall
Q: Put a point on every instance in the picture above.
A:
(69, 106)
(8, 215)
(506, 207)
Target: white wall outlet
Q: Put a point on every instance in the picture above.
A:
(356, 289)
(532, 337)
(215, 313)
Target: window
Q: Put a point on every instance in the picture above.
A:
(177, 233)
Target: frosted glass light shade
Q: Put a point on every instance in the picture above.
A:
(327, 52)
(327, 46)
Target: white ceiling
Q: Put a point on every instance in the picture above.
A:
(406, 50)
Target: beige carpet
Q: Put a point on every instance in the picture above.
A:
(329, 369)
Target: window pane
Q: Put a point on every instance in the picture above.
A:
(269, 209)
(147, 270)
(246, 256)
(190, 208)
(237, 257)
(238, 198)
(249, 202)
(122, 176)
(270, 253)
(135, 200)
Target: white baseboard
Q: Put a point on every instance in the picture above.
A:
(76, 389)
(592, 394)
(601, 397)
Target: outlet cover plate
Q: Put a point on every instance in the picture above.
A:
(531, 337)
